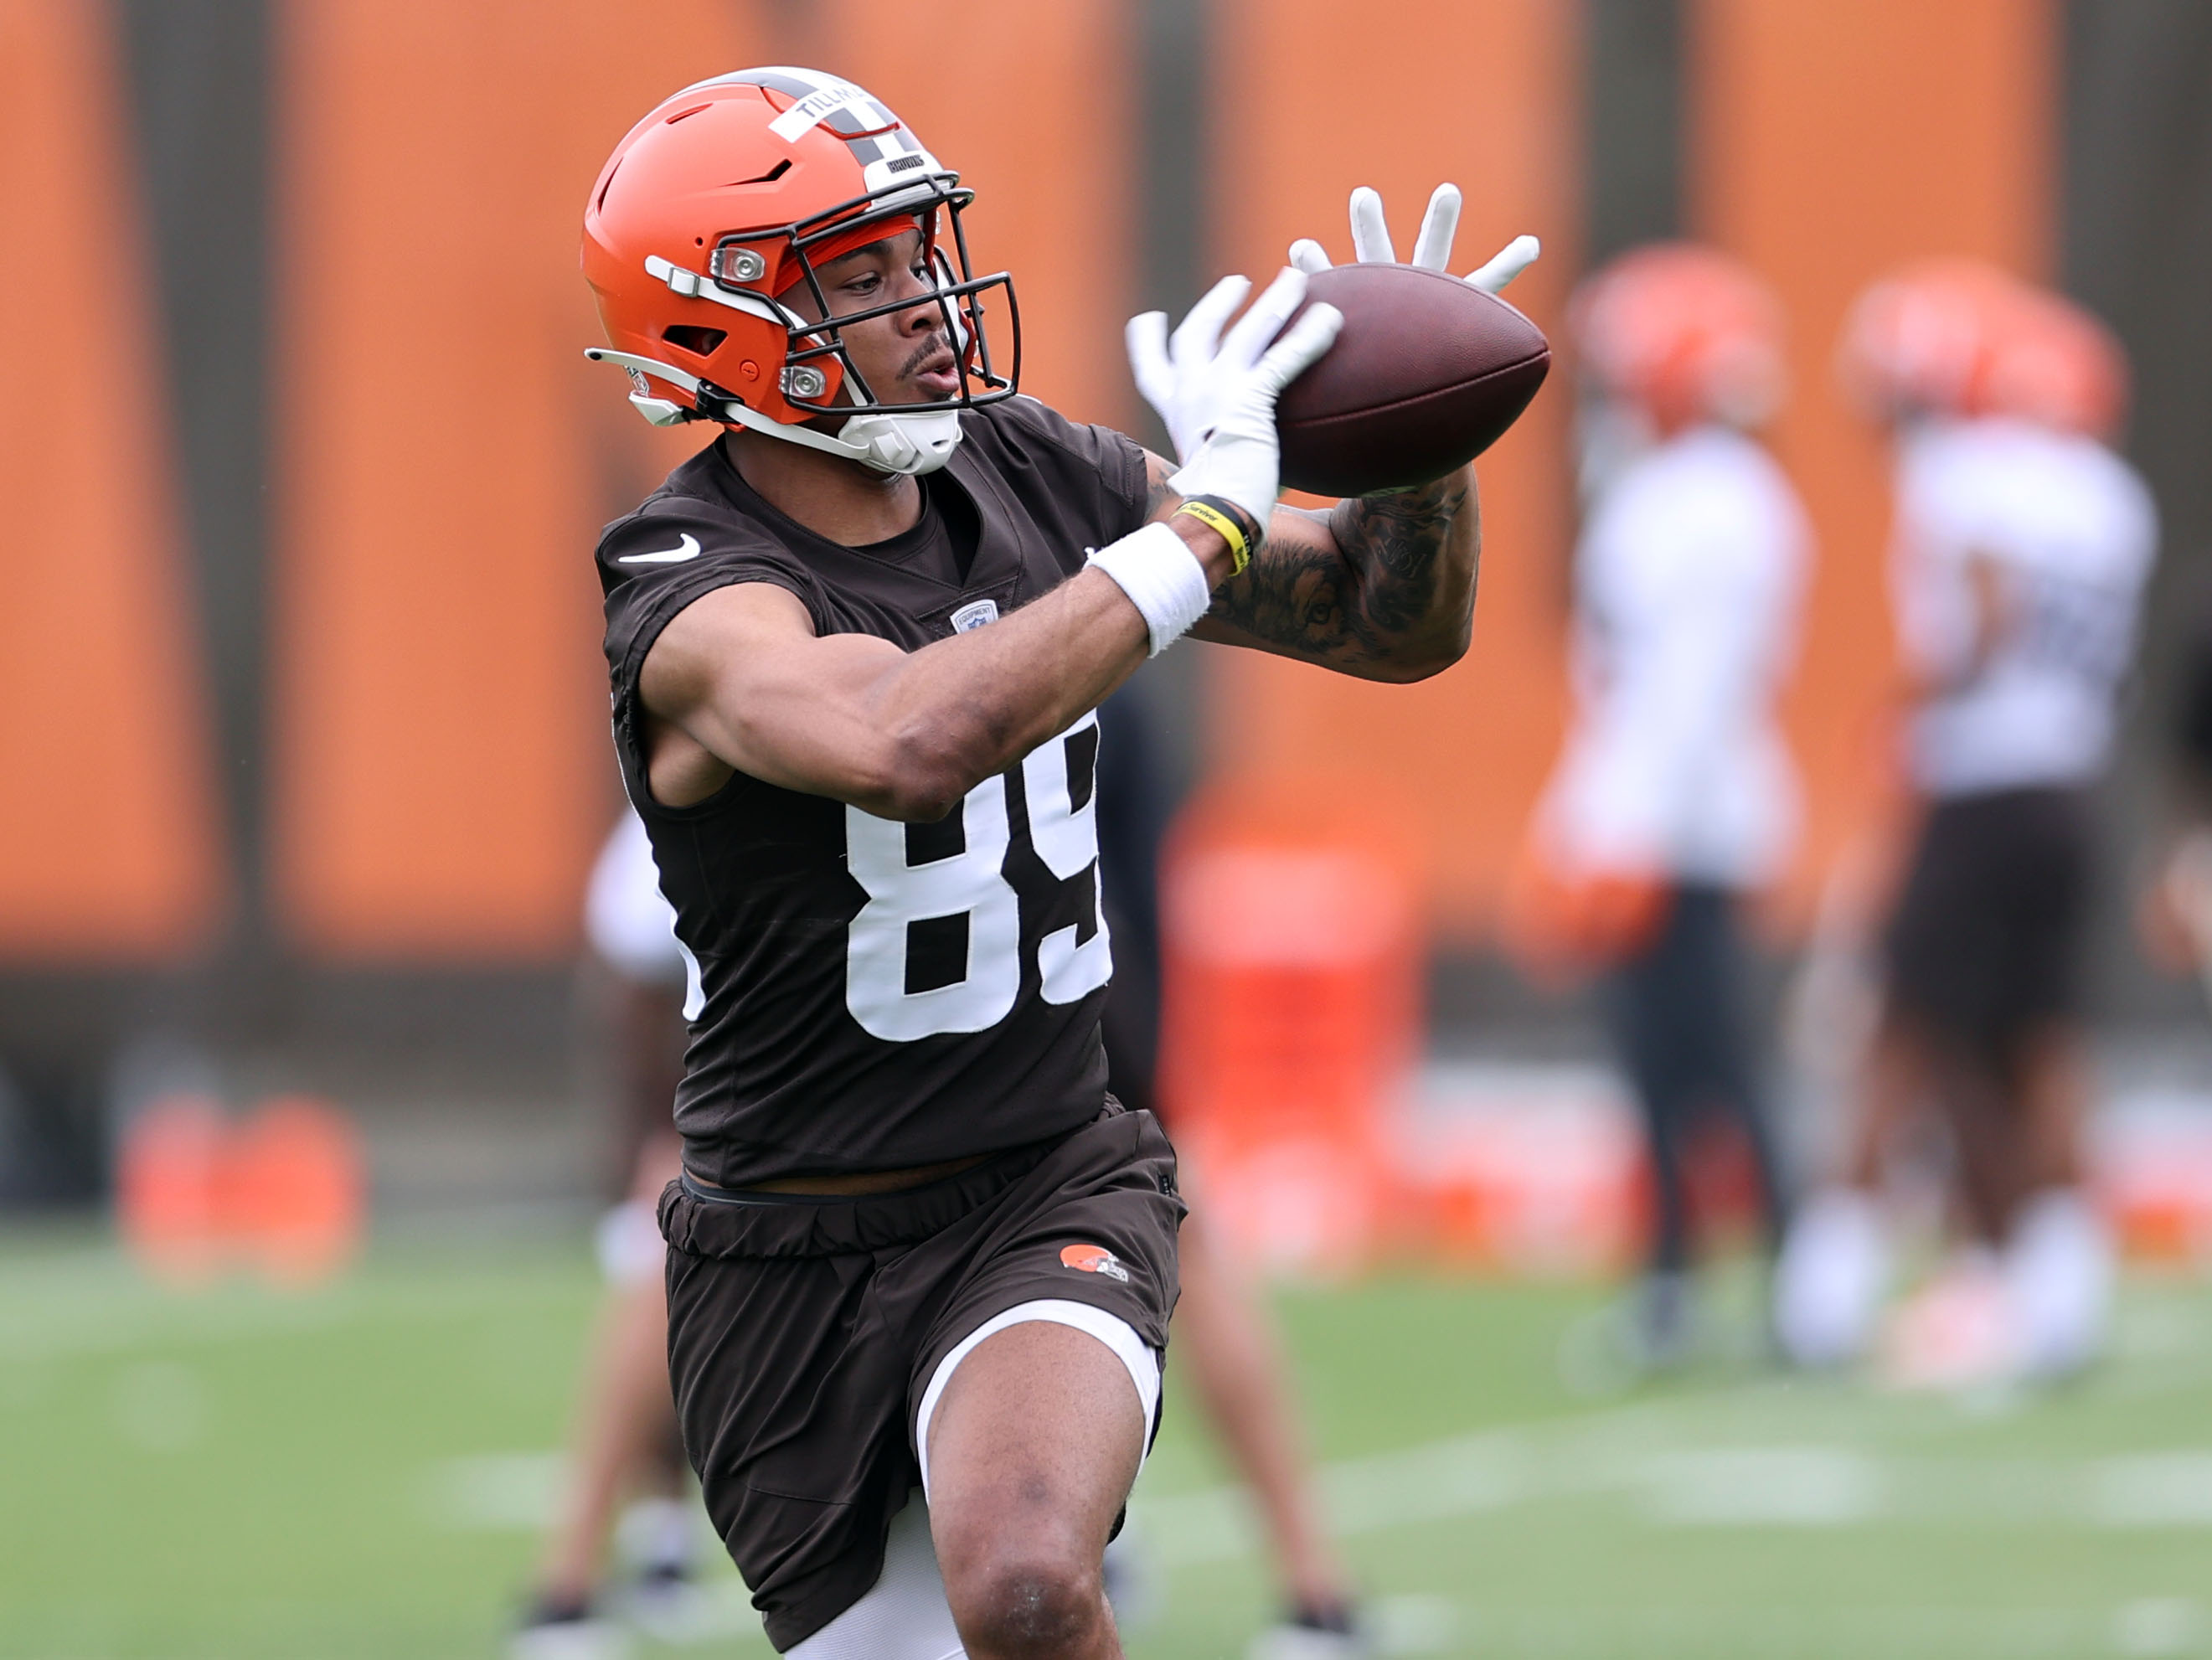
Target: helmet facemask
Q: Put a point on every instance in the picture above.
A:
(819, 377)
(811, 243)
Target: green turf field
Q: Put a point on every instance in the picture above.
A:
(251, 1475)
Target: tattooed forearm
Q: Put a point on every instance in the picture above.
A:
(1291, 595)
(1379, 582)
(1394, 540)
(1382, 586)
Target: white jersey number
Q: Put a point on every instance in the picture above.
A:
(965, 897)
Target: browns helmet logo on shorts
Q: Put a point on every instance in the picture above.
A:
(1094, 1259)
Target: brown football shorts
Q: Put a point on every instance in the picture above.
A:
(802, 1333)
(1985, 943)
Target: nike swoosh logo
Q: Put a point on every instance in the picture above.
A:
(687, 549)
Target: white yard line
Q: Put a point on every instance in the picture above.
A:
(1698, 1461)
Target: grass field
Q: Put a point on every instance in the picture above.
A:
(250, 1475)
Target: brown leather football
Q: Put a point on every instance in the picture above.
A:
(1426, 374)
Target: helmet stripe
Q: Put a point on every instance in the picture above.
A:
(820, 100)
(791, 82)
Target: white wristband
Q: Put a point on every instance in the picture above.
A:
(1161, 577)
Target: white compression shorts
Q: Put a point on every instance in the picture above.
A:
(906, 1616)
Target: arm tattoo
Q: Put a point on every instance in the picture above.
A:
(1358, 589)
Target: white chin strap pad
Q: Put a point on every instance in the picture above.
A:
(887, 441)
(904, 443)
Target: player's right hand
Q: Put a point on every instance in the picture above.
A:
(1216, 393)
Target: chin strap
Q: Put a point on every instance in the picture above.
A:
(904, 443)
(888, 442)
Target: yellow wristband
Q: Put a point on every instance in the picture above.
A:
(1240, 545)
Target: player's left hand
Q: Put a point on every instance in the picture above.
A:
(1180, 374)
(1370, 241)
(1216, 391)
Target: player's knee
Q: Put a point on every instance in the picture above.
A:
(1019, 1602)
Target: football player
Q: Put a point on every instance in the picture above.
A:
(1674, 797)
(2173, 912)
(921, 1263)
(2020, 545)
(625, 1420)
(625, 1437)
(1230, 1354)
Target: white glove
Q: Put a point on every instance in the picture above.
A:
(1217, 393)
(1370, 241)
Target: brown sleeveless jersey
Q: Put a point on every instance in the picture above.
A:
(869, 994)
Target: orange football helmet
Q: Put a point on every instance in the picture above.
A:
(1962, 338)
(1920, 341)
(2059, 366)
(733, 193)
(1683, 333)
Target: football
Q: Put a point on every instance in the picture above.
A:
(1427, 373)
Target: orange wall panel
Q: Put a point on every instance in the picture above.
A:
(1311, 101)
(446, 457)
(109, 843)
(1827, 143)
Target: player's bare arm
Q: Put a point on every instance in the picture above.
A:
(1379, 587)
(739, 680)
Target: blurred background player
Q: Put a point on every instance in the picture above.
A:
(2175, 913)
(2020, 547)
(625, 1443)
(1224, 1343)
(1674, 797)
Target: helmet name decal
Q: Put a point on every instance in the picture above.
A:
(811, 111)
